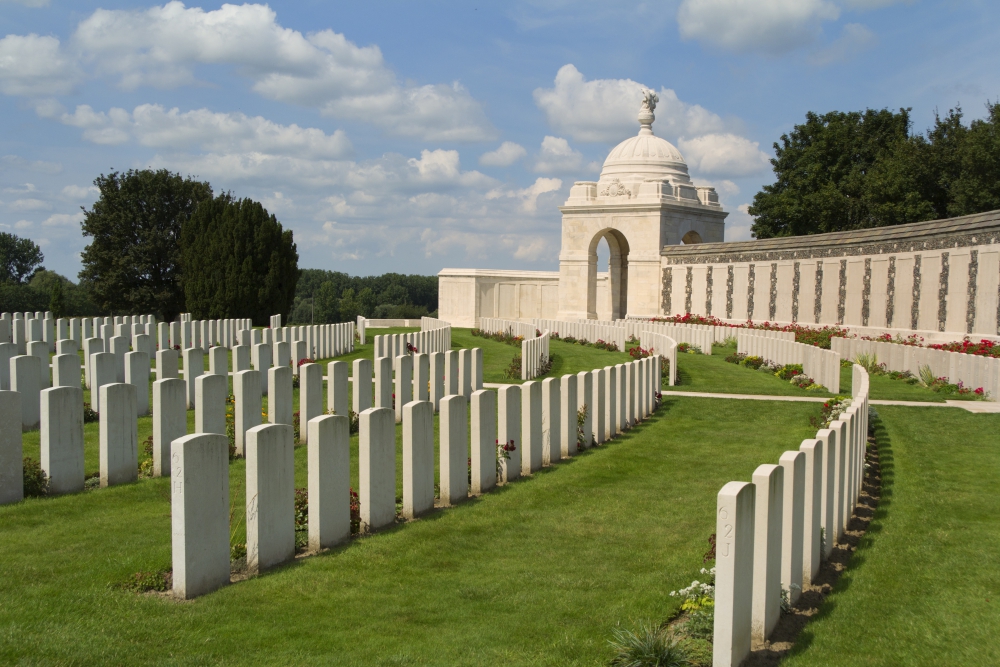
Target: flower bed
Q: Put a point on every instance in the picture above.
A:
(791, 372)
(803, 334)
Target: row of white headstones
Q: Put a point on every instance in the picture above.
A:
(773, 532)
(539, 418)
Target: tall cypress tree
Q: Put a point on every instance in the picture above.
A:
(238, 261)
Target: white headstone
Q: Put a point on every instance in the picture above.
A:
(169, 420)
(437, 379)
(454, 450)
(119, 435)
(329, 462)
(509, 430)
(362, 397)
(811, 509)
(551, 426)
(734, 569)
(404, 384)
(247, 408)
(531, 426)
(194, 366)
(418, 458)
(794, 464)
(377, 468)
(211, 392)
(25, 378)
(597, 405)
(270, 496)
(279, 399)
(568, 415)
(137, 375)
(199, 513)
(337, 395)
(769, 482)
(66, 370)
(383, 382)
(310, 396)
(484, 441)
(11, 452)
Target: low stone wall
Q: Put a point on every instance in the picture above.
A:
(821, 365)
(495, 325)
(773, 532)
(971, 370)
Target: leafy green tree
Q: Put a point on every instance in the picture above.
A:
(57, 303)
(844, 171)
(327, 304)
(133, 263)
(238, 261)
(349, 306)
(19, 259)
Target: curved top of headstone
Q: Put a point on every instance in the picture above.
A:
(646, 154)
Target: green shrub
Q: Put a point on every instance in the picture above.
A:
(36, 482)
(649, 647)
(143, 582)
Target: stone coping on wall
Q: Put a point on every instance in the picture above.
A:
(499, 273)
(965, 231)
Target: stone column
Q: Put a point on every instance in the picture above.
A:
(450, 373)
(794, 464)
(362, 397)
(11, 451)
(418, 458)
(383, 382)
(194, 366)
(310, 396)
(199, 513)
(329, 455)
(337, 398)
(421, 377)
(734, 574)
(377, 468)
(454, 450)
(66, 370)
(484, 441)
(811, 509)
(568, 415)
(25, 378)
(137, 375)
(551, 426)
(211, 392)
(509, 429)
(437, 371)
(531, 427)
(769, 482)
(279, 400)
(270, 496)
(169, 421)
(119, 436)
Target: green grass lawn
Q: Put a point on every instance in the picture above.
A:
(924, 585)
(539, 572)
(536, 573)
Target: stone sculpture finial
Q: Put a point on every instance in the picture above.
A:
(646, 117)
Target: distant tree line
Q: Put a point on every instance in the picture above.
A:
(855, 170)
(25, 285)
(330, 296)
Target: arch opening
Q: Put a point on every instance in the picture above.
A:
(613, 300)
(691, 238)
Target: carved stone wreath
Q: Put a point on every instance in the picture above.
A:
(616, 189)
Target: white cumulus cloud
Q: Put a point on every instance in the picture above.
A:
(529, 195)
(556, 156)
(727, 154)
(35, 66)
(606, 109)
(161, 46)
(506, 155)
(153, 125)
(771, 27)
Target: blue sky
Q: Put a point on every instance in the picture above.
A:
(415, 136)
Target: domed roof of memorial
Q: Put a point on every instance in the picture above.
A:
(645, 154)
